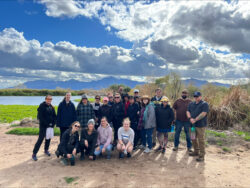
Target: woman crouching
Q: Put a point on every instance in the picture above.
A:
(69, 144)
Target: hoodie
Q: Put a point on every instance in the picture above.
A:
(104, 136)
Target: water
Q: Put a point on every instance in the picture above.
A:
(32, 100)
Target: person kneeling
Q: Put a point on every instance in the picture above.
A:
(104, 140)
(69, 144)
(125, 139)
(88, 140)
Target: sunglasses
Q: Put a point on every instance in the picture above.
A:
(49, 99)
(97, 98)
(117, 97)
(77, 126)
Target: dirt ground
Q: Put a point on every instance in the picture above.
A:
(173, 169)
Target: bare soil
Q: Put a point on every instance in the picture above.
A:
(172, 169)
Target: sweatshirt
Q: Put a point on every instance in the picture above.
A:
(104, 136)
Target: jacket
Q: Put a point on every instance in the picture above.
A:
(118, 112)
(164, 117)
(106, 110)
(104, 136)
(92, 139)
(84, 113)
(69, 141)
(132, 113)
(66, 114)
(149, 120)
(46, 115)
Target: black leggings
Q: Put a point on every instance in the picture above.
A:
(62, 130)
(41, 137)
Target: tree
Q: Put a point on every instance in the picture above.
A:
(115, 88)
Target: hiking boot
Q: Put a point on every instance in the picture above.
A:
(34, 157)
(159, 148)
(64, 161)
(121, 155)
(108, 157)
(128, 155)
(142, 147)
(47, 153)
(175, 149)
(147, 150)
(82, 156)
(72, 161)
(200, 159)
(163, 150)
(57, 153)
(189, 150)
(193, 154)
(153, 145)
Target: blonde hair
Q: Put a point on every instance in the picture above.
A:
(126, 119)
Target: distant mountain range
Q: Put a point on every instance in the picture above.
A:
(99, 84)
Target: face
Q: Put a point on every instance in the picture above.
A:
(131, 101)
(85, 101)
(91, 127)
(184, 94)
(117, 98)
(165, 103)
(198, 99)
(158, 93)
(105, 102)
(126, 125)
(76, 127)
(126, 99)
(145, 101)
(136, 93)
(103, 122)
(67, 96)
(111, 98)
(120, 89)
(97, 100)
(48, 99)
(137, 99)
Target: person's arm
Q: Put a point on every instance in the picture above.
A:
(203, 113)
(98, 138)
(92, 112)
(109, 138)
(64, 143)
(74, 112)
(174, 110)
(131, 139)
(59, 115)
(172, 116)
(42, 117)
(54, 116)
(77, 141)
(78, 113)
(120, 137)
(93, 145)
(151, 112)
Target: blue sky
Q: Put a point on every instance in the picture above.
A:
(89, 40)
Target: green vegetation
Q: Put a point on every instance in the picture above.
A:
(115, 88)
(70, 179)
(89, 99)
(29, 131)
(226, 149)
(10, 113)
(39, 92)
(216, 134)
(245, 135)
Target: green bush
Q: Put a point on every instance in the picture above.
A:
(216, 134)
(29, 131)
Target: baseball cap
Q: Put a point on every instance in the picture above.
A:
(197, 94)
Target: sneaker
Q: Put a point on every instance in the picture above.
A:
(47, 153)
(128, 155)
(57, 153)
(121, 155)
(175, 149)
(159, 148)
(153, 144)
(193, 154)
(163, 150)
(147, 150)
(189, 150)
(142, 147)
(64, 161)
(200, 159)
(34, 157)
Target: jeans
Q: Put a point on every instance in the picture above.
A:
(41, 137)
(108, 150)
(178, 129)
(146, 135)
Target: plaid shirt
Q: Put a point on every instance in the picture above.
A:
(84, 113)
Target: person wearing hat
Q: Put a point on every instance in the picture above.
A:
(180, 109)
(136, 92)
(88, 140)
(84, 111)
(133, 115)
(105, 110)
(197, 115)
(69, 144)
(147, 123)
(96, 105)
(164, 118)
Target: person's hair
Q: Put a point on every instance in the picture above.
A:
(126, 119)
(75, 122)
(104, 117)
(48, 96)
(64, 98)
(98, 96)
(142, 103)
(158, 89)
(118, 94)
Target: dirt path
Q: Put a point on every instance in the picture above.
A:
(174, 169)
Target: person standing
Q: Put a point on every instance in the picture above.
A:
(111, 99)
(69, 144)
(96, 105)
(125, 139)
(164, 118)
(197, 115)
(66, 114)
(148, 123)
(84, 111)
(136, 93)
(104, 139)
(118, 115)
(88, 141)
(47, 119)
(126, 104)
(133, 115)
(180, 109)
(105, 110)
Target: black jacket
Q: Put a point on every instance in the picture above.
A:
(69, 142)
(66, 114)
(92, 139)
(105, 110)
(46, 115)
(164, 116)
(118, 111)
(132, 113)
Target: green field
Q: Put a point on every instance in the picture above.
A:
(29, 131)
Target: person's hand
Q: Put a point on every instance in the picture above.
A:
(123, 147)
(98, 148)
(192, 120)
(138, 112)
(91, 157)
(74, 152)
(103, 150)
(86, 143)
(69, 156)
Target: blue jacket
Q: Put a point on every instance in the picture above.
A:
(66, 114)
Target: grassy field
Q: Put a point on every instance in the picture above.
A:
(29, 131)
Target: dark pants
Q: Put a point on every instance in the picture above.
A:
(62, 130)
(137, 133)
(116, 125)
(178, 129)
(146, 135)
(41, 137)
(85, 150)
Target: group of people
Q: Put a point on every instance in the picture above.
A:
(123, 122)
